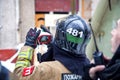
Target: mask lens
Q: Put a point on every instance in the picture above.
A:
(44, 39)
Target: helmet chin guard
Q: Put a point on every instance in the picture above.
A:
(72, 34)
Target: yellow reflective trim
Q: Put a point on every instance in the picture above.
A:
(26, 54)
(25, 63)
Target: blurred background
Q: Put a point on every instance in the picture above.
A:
(18, 16)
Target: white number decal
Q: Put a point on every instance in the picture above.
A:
(81, 34)
(27, 72)
(69, 30)
(75, 32)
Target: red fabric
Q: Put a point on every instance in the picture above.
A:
(6, 54)
(28, 71)
(54, 5)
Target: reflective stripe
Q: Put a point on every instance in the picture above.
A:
(26, 54)
(25, 63)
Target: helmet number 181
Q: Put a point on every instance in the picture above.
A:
(75, 32)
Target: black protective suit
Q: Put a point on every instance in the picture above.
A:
(111, 72)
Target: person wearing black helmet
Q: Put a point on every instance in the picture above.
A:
(71, 38)
(64, 60)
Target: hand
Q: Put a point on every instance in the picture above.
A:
(31, 38)
(93, 70)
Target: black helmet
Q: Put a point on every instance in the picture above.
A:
(72, 34)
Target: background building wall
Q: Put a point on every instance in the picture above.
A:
(18, 16)
(27, 17)
(94, 4)
(103, 22)
(86, 9)
(8, 32)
